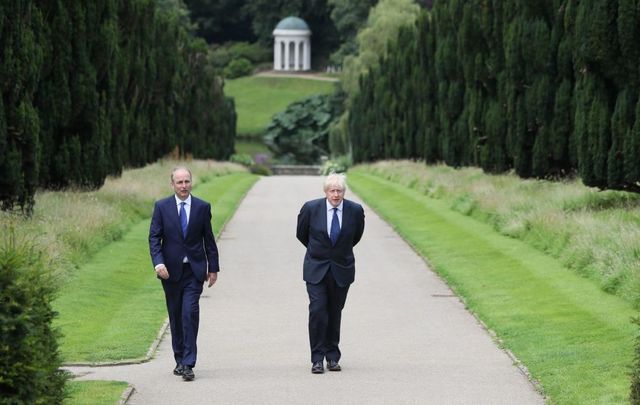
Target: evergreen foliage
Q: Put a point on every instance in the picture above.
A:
(348, 16)
(29, 357)
(634, 395)
(300, 134)
(547, 88)
(88, 88)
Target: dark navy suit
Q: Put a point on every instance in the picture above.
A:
(328, 271)
(182, 289)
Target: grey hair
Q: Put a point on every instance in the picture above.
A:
(175, 169)
(335, 179)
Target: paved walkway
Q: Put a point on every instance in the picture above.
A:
(405, 338)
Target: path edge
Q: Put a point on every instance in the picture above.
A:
(494, 336)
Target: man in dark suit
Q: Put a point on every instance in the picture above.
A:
(329, 228)
(184, 254)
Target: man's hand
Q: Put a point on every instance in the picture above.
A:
(162, 272)
(212, 279)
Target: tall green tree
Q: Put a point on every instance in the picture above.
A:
(348, 16)
(219, 21)
(90, 87)
(22, 58)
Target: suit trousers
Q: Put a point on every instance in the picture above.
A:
(326, 301)
(183, 305)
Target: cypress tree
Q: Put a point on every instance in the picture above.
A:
(53, 97)
(621, 124)
(631, 150)
(562, 128)
(492, 153)
(19, 74)
(599, 138)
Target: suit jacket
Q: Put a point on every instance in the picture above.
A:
(168, 246)
(321, 256)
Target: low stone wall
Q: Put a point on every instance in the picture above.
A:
(296, 170)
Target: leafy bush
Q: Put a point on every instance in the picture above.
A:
(262, 170)
(300, 134)
(223, 56)
(238, 68)
(253, 52)
(220, 57)
(337, 165)
(241, 158)
(29, 357)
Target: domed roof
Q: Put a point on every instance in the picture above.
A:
(292, 23)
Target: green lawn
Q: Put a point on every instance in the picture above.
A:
(259, 98)
(575, 339)
(113, 306)
(94, 392)
(252, 148)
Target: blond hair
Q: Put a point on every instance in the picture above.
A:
(335, 179)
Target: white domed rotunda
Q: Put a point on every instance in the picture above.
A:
(292, 45)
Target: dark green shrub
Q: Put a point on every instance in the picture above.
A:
(300, 134)
(339, 164)
(262, 170)
(238, 68)
(220, 57)
(634, 395)
(253, 52)
(241, 158)
(29, 358)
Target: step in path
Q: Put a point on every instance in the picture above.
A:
(406, 338)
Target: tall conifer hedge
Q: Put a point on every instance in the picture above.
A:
(546, 88)
(88, 88)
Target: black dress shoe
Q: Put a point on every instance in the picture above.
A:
(187, 373)
(178, 369)
(317, 368)
(333, 365)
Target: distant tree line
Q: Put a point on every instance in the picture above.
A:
(334, 23)
(546, 88)
(90, 87)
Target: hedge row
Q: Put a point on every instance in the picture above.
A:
(88, 88)
(547, 88)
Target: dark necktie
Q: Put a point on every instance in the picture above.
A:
(335, 227)
(183, 218)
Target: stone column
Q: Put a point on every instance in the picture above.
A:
(286, 54)
(297, 61)
(307, 55)
(277, 57)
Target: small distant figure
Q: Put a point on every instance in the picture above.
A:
(329, 228)
(184, 254)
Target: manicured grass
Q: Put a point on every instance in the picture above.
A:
(575, 339)
(69, 226)
(259, 98)
(252, 147)
(113, 307)
(94, 392)
(594, 233)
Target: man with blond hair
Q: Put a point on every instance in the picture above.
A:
(329, 228)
